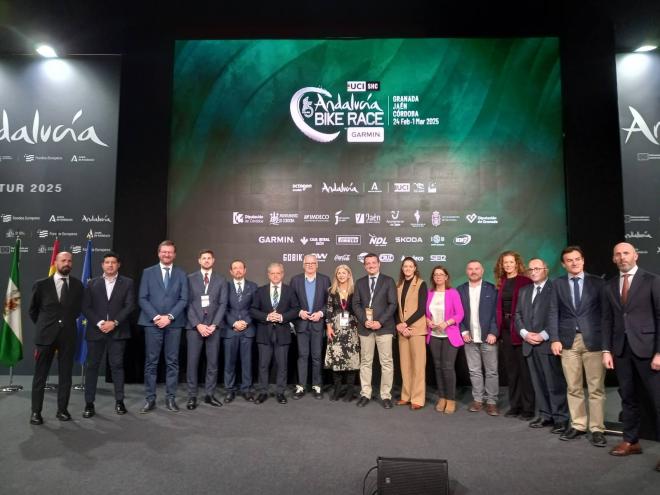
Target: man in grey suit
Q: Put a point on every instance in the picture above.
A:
(108, 302)
(374, 306)
(163, 297)
(544, 367)
(631, 341)
(311, 289)
(207, 292)
(574, 326)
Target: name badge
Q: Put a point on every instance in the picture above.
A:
(343, 319)
(205, 301)
(370, 313)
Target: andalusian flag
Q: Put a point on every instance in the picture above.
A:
(56, 250)
(11, 335)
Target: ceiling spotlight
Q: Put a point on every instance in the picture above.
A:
(46, 51)
(646, 48)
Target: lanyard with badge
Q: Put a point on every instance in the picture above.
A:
(343, 316)
(206, 302)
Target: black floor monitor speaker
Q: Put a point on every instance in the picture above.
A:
(402, 476)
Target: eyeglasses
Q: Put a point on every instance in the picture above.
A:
(534, 270)
(439, 275)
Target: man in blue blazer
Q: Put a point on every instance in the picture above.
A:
(311, 289)
(574, 325)
(274, 306)
(207, 292)
(108, 302)
(163, 298)
(238, 331)
(479, 330)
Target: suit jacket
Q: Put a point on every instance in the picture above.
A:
(239, 310)
(155, 299)
(534, 317)
(564, 320)
(287, 306)
(319, 303)
(217, 292)
(638, 319)
(384, 304)
(453, 311)
(46, 311)
(97, 307)
(520, 282)
(487, 309)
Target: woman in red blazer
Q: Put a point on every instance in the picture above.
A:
(444, 313)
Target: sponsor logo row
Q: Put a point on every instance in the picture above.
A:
(44, 234)
(357, 240)
(351, 187)
(92, 218)
(345, 258)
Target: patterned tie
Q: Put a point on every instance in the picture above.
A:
(276, 296)
(166, 280)
(624, 289)
(239, 291)
(373, 284)
(536, 295)
(206, 278)
(576, 292)
(64, 291)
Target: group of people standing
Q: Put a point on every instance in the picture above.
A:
(550, 335)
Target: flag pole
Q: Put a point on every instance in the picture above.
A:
(81, 385)
(11, 387)
(11, 330)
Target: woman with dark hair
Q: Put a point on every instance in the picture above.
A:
(509, 279)
(410, 325)
(342, 355)
(444, 313)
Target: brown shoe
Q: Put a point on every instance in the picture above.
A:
(626, 448)
(491, 410)
(415, 407)
(440, 405)
(450, 408)
(402, 402)
(476, 406)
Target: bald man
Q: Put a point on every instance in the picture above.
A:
(631, 340)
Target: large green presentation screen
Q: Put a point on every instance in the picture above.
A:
(446, 150)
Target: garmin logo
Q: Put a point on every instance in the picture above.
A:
(44, 133)
(275, 239)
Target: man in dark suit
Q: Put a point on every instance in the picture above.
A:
(238, 331)
(544, 367)
(207, 292)
(311, 289)
(163, 298)
(108, 302)
(574, 325)
(274, 306)
(374, 305)
(631, 340)
(480, 333)
(55, 305)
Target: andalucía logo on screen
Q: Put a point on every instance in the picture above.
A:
(321, 116)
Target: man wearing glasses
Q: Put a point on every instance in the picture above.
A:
(575, 334)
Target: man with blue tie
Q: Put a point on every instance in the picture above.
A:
(163, 297)
(238, 331)
(574, 326)
(206, 311)
(311, 289)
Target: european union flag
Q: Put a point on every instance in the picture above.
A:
(81, 343)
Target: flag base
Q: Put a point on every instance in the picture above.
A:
(11, 388)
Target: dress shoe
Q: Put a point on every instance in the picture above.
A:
(350, 394)
(387, 403)
(440, 405)
(318, 392)
(120, 408)
(248, 396)
(559, 428)
(571, 434)
(230, 397)
(402, 402)
(281, 399)
(626, 448)
(598, 439)
(512, 413)
(336, 393)
(36, 419)
(415, 407)
(149, 406)
(212, 401)
(363, 401)
(299, 393)
(450, 408)
(526, 416)
(63, 415)
(261, 398)
(89, 410)
(171, 405)
(476, 406)
(191, 405)
(541, 422)
(492, 410)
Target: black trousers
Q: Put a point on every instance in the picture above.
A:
(95, 349)
(519, 381)
(632, 371)
(266, 352)
(65, 345)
